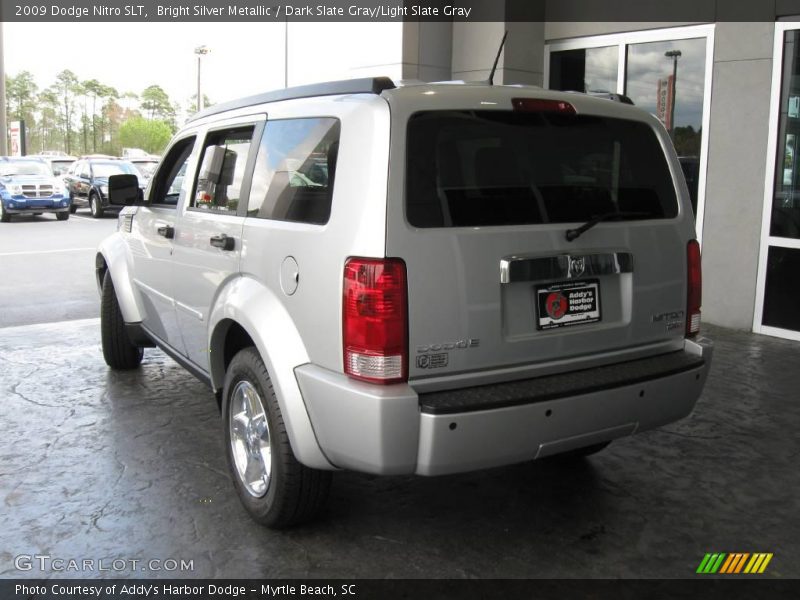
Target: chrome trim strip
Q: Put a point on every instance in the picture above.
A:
(514, 269)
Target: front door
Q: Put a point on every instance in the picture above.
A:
(153, 243)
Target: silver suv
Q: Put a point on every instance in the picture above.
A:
(418, 279)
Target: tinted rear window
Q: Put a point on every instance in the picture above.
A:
(483, 168)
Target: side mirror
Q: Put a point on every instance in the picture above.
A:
(123, 190)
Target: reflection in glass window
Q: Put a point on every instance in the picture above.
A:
(222, 166)
(667, 79)
(584, 70)
(295, 169)
(676, 101)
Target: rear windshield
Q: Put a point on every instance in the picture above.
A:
(485, 168)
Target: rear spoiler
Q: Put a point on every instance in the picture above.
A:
(611, 96)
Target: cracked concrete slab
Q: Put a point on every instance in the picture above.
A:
(103, 465)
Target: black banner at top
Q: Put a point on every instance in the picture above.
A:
(664, 11)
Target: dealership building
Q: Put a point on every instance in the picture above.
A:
(728, 91)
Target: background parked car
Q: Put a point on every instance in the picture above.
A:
(146, 165)
(28, 187)
(59, 165)
(87, 182)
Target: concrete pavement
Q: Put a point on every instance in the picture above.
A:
(129, 466)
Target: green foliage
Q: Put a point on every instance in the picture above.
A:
(155, 102)
(21, 95)
(85, 116)
(687, 141)
(191, 107)
(67, 86)
(150, 135)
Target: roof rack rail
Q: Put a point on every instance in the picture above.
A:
(365, 85)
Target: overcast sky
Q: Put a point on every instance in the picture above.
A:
(245, 58)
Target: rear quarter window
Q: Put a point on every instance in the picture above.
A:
(489, 168)
(295, 170)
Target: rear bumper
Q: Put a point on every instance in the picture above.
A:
(392, 430)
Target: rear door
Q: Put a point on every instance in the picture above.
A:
(494, 284)
(208, 242)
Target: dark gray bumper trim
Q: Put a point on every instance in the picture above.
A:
(551, 387)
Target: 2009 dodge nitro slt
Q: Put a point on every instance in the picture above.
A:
(428, 279)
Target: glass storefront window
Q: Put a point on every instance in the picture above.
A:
(785, 217)
(782, 289)
(667, 79)
(664, 73)
(584, 70)
(779, 269)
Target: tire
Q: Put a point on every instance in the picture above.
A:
(279, 491)
(72, 208)
(4, 216)
(62, 216)
(96, 206)
(119, 352)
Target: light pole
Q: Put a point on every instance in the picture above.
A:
(201, 51)
(673, 54)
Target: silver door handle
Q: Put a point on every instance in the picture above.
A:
(222, 241)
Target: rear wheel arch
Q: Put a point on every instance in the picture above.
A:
(247, 312)
(228, 338)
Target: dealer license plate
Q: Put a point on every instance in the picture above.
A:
(568, 303)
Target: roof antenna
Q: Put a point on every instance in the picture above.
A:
(490, 81)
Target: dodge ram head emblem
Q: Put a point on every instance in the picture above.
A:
(577, 265)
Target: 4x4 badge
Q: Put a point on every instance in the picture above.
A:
(577, 265)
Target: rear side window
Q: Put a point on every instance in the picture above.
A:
(295, 170)
(485, 168)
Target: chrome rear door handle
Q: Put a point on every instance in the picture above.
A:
(564, 266)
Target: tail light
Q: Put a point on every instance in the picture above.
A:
(694, 288)
(542, 105)
(374, 320)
